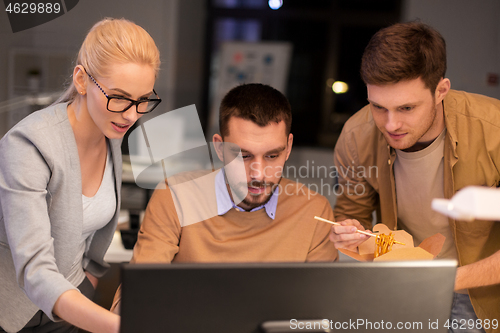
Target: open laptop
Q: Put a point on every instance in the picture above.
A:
(414, 296)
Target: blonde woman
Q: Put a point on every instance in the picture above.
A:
(60, 177)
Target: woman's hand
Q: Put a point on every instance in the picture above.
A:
(78, 310)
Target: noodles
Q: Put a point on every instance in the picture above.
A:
(383, 244)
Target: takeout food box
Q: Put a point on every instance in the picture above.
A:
(427, 250)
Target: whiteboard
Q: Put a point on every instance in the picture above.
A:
(240, 62)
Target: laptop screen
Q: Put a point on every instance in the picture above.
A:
(414, 296)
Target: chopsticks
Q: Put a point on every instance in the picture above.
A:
(357, 230)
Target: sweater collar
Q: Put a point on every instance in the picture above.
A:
(225, 203)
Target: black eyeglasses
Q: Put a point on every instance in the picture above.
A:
(122, 104)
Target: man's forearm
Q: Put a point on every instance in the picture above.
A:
(482, 273)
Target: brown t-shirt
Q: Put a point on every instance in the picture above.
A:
(419, 179)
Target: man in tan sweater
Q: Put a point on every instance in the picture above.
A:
(268, 219)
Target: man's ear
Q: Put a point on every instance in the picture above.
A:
(79, 79)
(219, 146)
(289, 145)
(442, 89)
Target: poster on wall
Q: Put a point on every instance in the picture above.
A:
(265, 62)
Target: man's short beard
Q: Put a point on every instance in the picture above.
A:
(237, 195)
(250, 204)
(421, 145)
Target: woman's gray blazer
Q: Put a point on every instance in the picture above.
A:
(41, 215)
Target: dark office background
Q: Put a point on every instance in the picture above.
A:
(328, 38)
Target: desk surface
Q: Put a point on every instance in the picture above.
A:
(117, 252)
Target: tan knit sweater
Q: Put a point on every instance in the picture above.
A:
(237, 236)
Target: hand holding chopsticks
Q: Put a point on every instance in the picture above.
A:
(357, 230)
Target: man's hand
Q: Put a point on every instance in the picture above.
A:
(346, 237)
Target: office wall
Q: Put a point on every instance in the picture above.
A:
(190, 53)
(472, 33)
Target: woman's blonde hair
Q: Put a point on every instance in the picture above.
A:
(112, 41)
